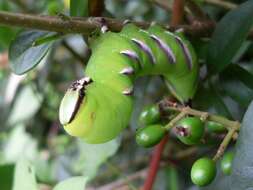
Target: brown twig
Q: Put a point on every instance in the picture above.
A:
(121, 182)
(61, 24)
(87, 25)
(177, 12)
(96, 7)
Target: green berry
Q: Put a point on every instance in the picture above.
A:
(226, 163)
(150, 115)
(203, 171)
(190, 130)
(215, 127)
(150, 135)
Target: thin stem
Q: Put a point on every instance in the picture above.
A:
(204, 115)
(185, 153)
(58, 24)
(87, 25)
(226, 141)
(118, 171)
(175, 120)
(96, 7)
(154, 164)
(223, 4)
(177, 12)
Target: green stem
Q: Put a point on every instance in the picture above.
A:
(231, 126)
(175, 120)
(204, 115)
(226, 141)
(46, 39)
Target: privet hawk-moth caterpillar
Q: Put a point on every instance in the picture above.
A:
(97, 107)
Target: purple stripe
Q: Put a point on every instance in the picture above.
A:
(165, 48)
(186, 52)
(185, 49)
(132, 55)
(146, 49)
(127, 71)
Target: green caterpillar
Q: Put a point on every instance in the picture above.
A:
(98, 107)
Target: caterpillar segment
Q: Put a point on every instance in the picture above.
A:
(98, 110)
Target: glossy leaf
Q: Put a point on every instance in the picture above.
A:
(23, 54)
(234, 78)
(207, 98)
(229, 35)
(79, 8)
(242, 168)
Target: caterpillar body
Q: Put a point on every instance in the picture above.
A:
(98, 107)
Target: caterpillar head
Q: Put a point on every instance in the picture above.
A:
(72, 100)
(93, 111)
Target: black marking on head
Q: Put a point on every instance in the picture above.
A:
(146, 49)
(79, 101)
(128, 91)
(79, 86)
(127, 71)
(165, 47)
(81, 83)
(133, 55)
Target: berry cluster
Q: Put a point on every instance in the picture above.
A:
(190, 131)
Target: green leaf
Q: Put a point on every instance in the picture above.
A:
(79, 8)
(24, 177)
(207, 98)
(19, 143)
(23, 54)
(6, 173)
(242, 172)
(27, 96)
(91, 156)
(74, 183)
(234, 78)
(229, 35)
